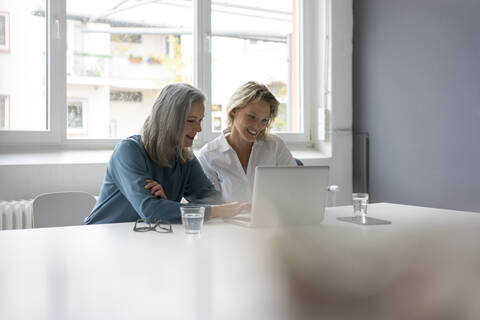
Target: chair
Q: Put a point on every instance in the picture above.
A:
(299, 162)
(59, 209)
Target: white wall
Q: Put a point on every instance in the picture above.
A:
(27, 181)
(341, 97)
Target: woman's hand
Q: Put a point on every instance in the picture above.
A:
(156, 189)
(229, 210)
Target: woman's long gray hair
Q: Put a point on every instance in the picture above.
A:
(163, 132)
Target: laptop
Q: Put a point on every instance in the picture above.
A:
(284, 195)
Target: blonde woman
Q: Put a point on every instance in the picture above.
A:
(148, 174)
(230, 160)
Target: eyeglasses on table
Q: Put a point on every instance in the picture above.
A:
(144, 225)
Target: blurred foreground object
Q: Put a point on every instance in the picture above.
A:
(337, 272)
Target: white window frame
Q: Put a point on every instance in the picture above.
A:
(57, 91)
(6, 110)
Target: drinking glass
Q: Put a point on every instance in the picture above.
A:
(192, 218)
(360, 202)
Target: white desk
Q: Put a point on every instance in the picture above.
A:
(229, 272)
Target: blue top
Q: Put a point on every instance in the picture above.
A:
(123, 197)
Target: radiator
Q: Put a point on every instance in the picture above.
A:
(16, 214)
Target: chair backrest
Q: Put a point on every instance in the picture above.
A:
(299, 162)
(59, 209)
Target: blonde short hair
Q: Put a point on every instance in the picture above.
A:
(252, 92)
(163, 132)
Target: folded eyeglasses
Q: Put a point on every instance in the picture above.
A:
(144, 225)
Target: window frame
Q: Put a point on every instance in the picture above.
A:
(6, 110)
(56, 83)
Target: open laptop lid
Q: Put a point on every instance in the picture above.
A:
(284, 195)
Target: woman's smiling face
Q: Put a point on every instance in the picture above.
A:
(251, 120)
(193, 124)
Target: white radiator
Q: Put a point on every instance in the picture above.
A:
(16, 214)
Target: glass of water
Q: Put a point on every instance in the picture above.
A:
(360, 202)
(192, 218)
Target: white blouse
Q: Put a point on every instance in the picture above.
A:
(222, 166)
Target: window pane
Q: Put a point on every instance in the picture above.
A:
(76, 117)
(119, 55)
(255, 40)
(23, 65)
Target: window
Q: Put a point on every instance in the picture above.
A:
(116, 55)
(77, 123)
(4, 31)
(218, 117)
(256, 40)
(23, 64)
(121, 53)
(4, 112)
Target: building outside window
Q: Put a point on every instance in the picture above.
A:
(23, 65)
(77, 123)
(119, 54)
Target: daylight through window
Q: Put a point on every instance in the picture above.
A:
(120, 53)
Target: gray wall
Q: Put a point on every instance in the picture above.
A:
(416, 80)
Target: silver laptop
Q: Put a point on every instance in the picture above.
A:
(284, 195)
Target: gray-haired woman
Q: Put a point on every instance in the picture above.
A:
(148, 174)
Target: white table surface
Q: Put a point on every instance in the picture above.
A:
(229, 272)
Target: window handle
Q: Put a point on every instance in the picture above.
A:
(57, 29)
(332, 194)
(208, 40)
